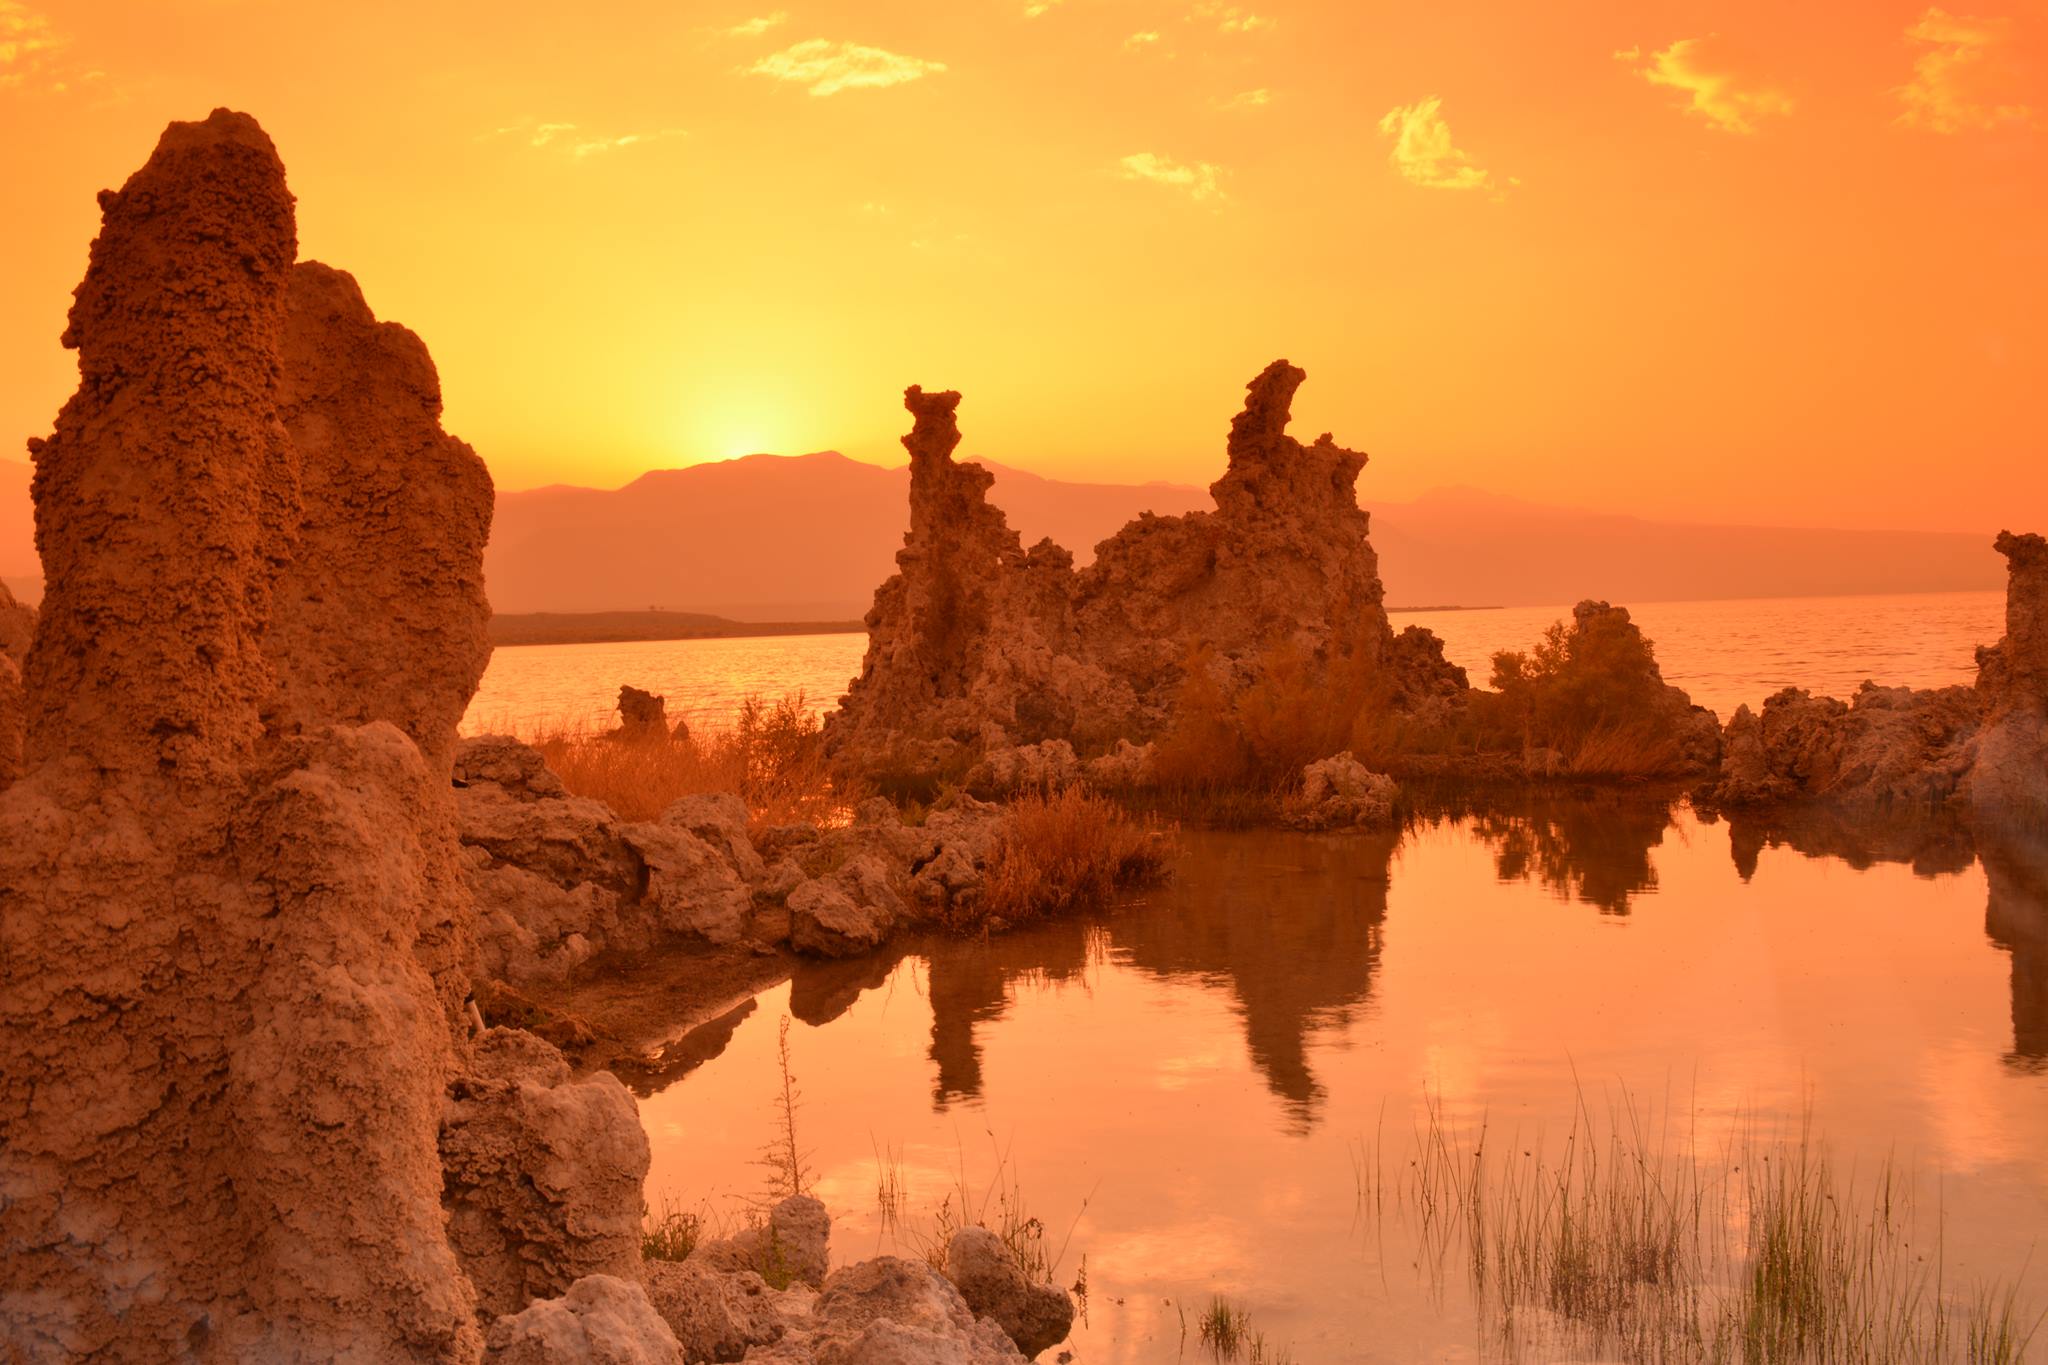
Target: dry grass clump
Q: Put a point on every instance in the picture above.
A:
(672, 1233)
(1296, 709)
(1064, 852)
(771, 755)
(1628, 1247)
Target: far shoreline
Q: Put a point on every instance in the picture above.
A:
(514, 629)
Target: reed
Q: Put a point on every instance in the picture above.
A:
(1628, 1245)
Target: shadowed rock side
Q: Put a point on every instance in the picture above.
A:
(17, 628)
(395, 513)
(976, 644)
(2008, 778)
(233, 933)
(1905, 749)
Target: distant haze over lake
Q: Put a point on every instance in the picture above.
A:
(808, 537)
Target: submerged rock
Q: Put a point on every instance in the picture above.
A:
(1341, 792)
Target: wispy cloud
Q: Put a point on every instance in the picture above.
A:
(577, 141)
(827, 67)
(1725, 100)
(754, 28)
(1961, 75)
(1139, 42)
(1424, 152)
(1034, 8)
(33, 56)
(1246, 99)
(1229, 18)
(1199, 180)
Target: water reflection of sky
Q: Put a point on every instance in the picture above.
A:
(1188, 1083)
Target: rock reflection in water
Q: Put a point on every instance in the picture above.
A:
(1288, 927)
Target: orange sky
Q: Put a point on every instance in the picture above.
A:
(1743, 261)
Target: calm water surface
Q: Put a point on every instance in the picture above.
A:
(1182, 1089)
(1723, 653)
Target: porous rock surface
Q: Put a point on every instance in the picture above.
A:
(980, 646)
(234, 939)
(558, 879)
(1340, 792)
(1032, 1314)
(601, 1320)
(2008, 778)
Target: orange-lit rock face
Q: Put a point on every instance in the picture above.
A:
(976, 641)
(234, 934)
(2009, 776)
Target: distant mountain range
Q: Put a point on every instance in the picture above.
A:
(807, 537)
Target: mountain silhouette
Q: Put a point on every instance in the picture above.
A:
(808, 537)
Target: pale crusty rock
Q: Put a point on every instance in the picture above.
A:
(891, 1311)
(1049, 765)
(515, 768)
(2008, 779)
(978, 646)
(1036, 1316)
(720, 819)
(1887, 746)
(600, 1320)
(219, 936)
(719, 1315)
(1126, 765)
(395, 516)
(543, 1174)
(793, 1245)
(827, 921)
(558, 879)
(1340, 792)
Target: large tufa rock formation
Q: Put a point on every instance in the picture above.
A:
(2008, 777)
(977, 644)
(233, 932)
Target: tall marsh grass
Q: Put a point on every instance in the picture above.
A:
(1626, 1245)
(771, 755)
(1062, 852)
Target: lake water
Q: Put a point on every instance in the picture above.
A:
(1723, 653)
(1185, 1091)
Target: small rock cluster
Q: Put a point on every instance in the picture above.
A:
(766, 1296)
(559, 878)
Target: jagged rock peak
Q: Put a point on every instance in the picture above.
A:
(935, 432)
(2026, 615)
(1267, 404)
(164, 495)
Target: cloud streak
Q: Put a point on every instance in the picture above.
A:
(754, 28)
(1720, 97)
(1424, 152)
(578, 143)
(827, 68)
(1958, 77)
(1199, 180)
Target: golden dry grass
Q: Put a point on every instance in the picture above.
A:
(1064, 852)
(770, 755)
